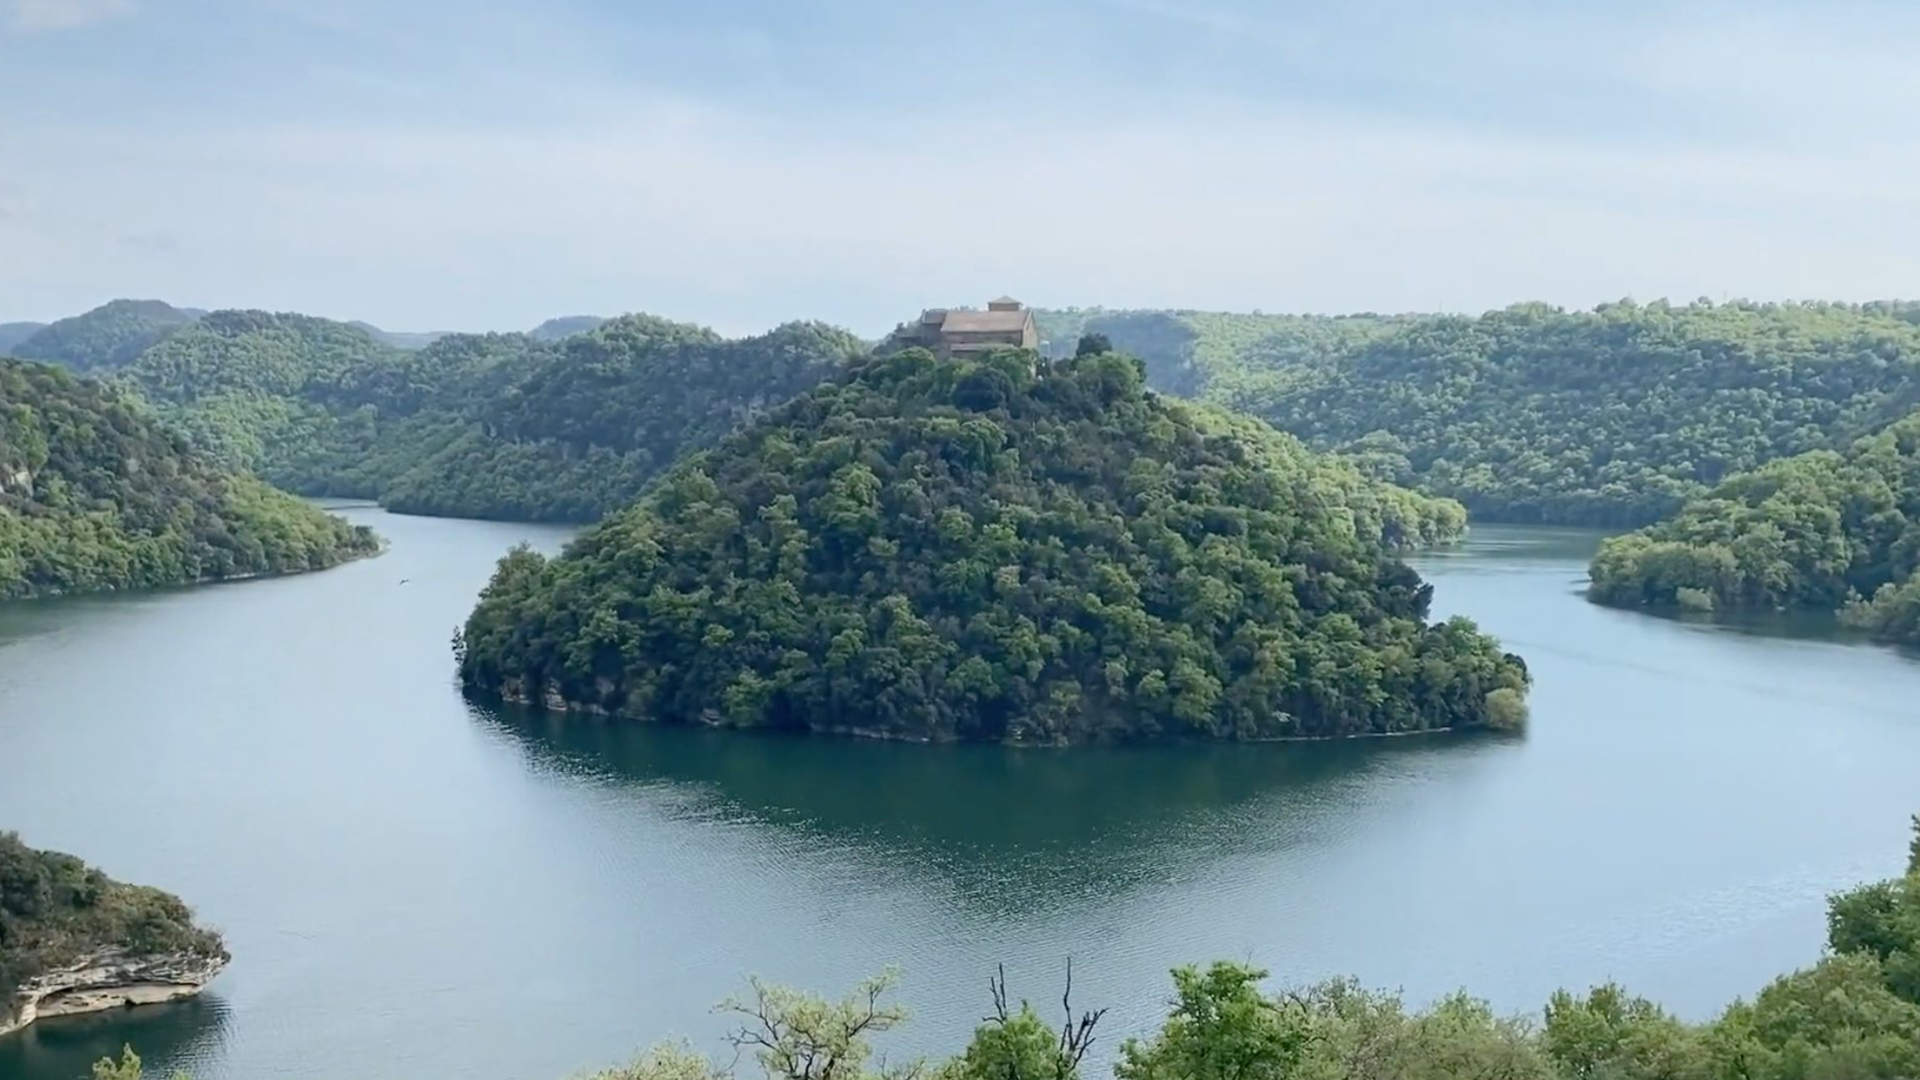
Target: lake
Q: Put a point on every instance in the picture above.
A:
(415, 888)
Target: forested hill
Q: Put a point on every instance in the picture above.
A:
(472, 425)
(1615, 416)
(1822, 530)
(105, 338)
(13, 333)
(1000, 550)
(1533, 414)
(291, 397)
(599, 414)
(1218, 355)
(95, 495)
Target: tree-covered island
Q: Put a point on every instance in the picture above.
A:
(1000, 549)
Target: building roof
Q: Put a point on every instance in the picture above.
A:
(985, 322)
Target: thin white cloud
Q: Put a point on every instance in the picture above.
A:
(601, 197)
(727, 218)
(31, 16)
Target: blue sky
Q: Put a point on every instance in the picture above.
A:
(485, 164)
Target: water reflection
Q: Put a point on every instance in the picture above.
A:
(1009, 830)
(180, 1035)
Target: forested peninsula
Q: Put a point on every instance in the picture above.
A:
(74, 940)
(95, 494)
(1532, 414)
(1000, 549)
(1821, 531)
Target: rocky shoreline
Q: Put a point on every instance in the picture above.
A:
(110, 978)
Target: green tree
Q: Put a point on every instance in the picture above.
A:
(1611, 1035)
(1093, 344)
(669, 1061)
(796, 1036)
(1221, 1028)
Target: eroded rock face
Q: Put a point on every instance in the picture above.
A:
(110, 979)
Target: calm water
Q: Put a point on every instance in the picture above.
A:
(415, 890)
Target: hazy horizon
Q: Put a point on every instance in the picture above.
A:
(487, 165)
(880, 331)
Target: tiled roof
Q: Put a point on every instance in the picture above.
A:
(985, 322)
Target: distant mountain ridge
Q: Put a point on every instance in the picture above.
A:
(1610, 417)
(111, 335)
(13, 333)
(401, 339)
(104, 338)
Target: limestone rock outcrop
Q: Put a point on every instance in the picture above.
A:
(109, 979)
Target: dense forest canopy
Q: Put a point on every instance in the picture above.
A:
(472, 425)
(105, 338)
(291, 397)
(55, 909)
(1615, 416)
(1000, 549)
(596, 416)
(1821, 530)
(1611, 417)
(1216, 354)
(97, 495)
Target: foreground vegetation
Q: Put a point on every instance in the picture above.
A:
(1000, 550)
(1532, 414)
(96, 495)
(1823, 530)
(55, 909)
(1854, 1015)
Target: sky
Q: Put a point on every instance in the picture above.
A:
(484, 164)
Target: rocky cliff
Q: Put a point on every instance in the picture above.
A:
(109, 979)
(74, 940)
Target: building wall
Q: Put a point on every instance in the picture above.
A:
(1009, 338)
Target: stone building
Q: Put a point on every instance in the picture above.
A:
(1006, 324)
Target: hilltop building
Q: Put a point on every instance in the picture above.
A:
(1006, 324)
